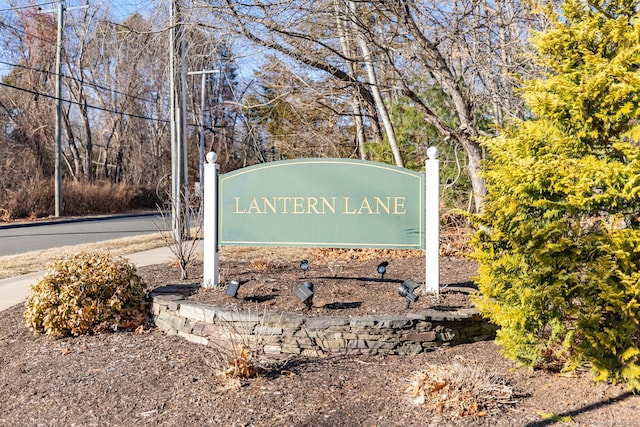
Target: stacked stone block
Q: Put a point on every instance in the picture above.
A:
(287, 333)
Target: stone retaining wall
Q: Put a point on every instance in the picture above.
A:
(287, 333)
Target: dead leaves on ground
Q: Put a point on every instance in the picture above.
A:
(241, 366)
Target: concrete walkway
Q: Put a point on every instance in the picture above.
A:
(14, 290)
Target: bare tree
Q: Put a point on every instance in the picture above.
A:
(372, 79)
(300, 115)
(470, 50)
(344, 64)
(347, 46)
(182, 245)
(132, 136)
(24, 103)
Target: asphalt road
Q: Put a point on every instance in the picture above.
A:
(20, 238)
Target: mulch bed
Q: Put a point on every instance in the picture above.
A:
(345, 282)
(148, 378)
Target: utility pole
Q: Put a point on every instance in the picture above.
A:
(204, 74)
(58, 129)
(177, 79)
(58, 157)
(57, 183)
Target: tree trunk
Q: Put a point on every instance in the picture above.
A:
(76, 170)
(474, 157)
(375, 90)
(88, 148)
(346, 45)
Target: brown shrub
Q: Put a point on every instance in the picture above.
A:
(86, 294)
(461, 388)
(36, 200)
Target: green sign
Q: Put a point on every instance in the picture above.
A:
(322, 203)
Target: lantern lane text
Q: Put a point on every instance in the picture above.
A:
(300, 205)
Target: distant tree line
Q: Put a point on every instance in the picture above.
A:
(373, 80)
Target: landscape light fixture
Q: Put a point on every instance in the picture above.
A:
(232, 288)
(304, 266)
(305, 293)
(407, 289)
(382, 268)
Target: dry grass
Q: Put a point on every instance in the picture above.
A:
(238, 354)
(30, 262)
(35, 199)
(461, 389)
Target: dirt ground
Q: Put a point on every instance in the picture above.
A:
(148, 378)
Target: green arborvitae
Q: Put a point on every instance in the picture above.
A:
(559, 240)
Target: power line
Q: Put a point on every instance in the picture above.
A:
(95, 85)
(31, 6)
(137, 116)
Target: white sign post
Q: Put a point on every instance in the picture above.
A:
(211, 274)
(432, 222)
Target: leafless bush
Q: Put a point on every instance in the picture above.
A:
(461, 388)
(238, 353)
(34, 198)
(101, 197)
(455, 231)
(181, 234)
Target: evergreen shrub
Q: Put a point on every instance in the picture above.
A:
(559, 238)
